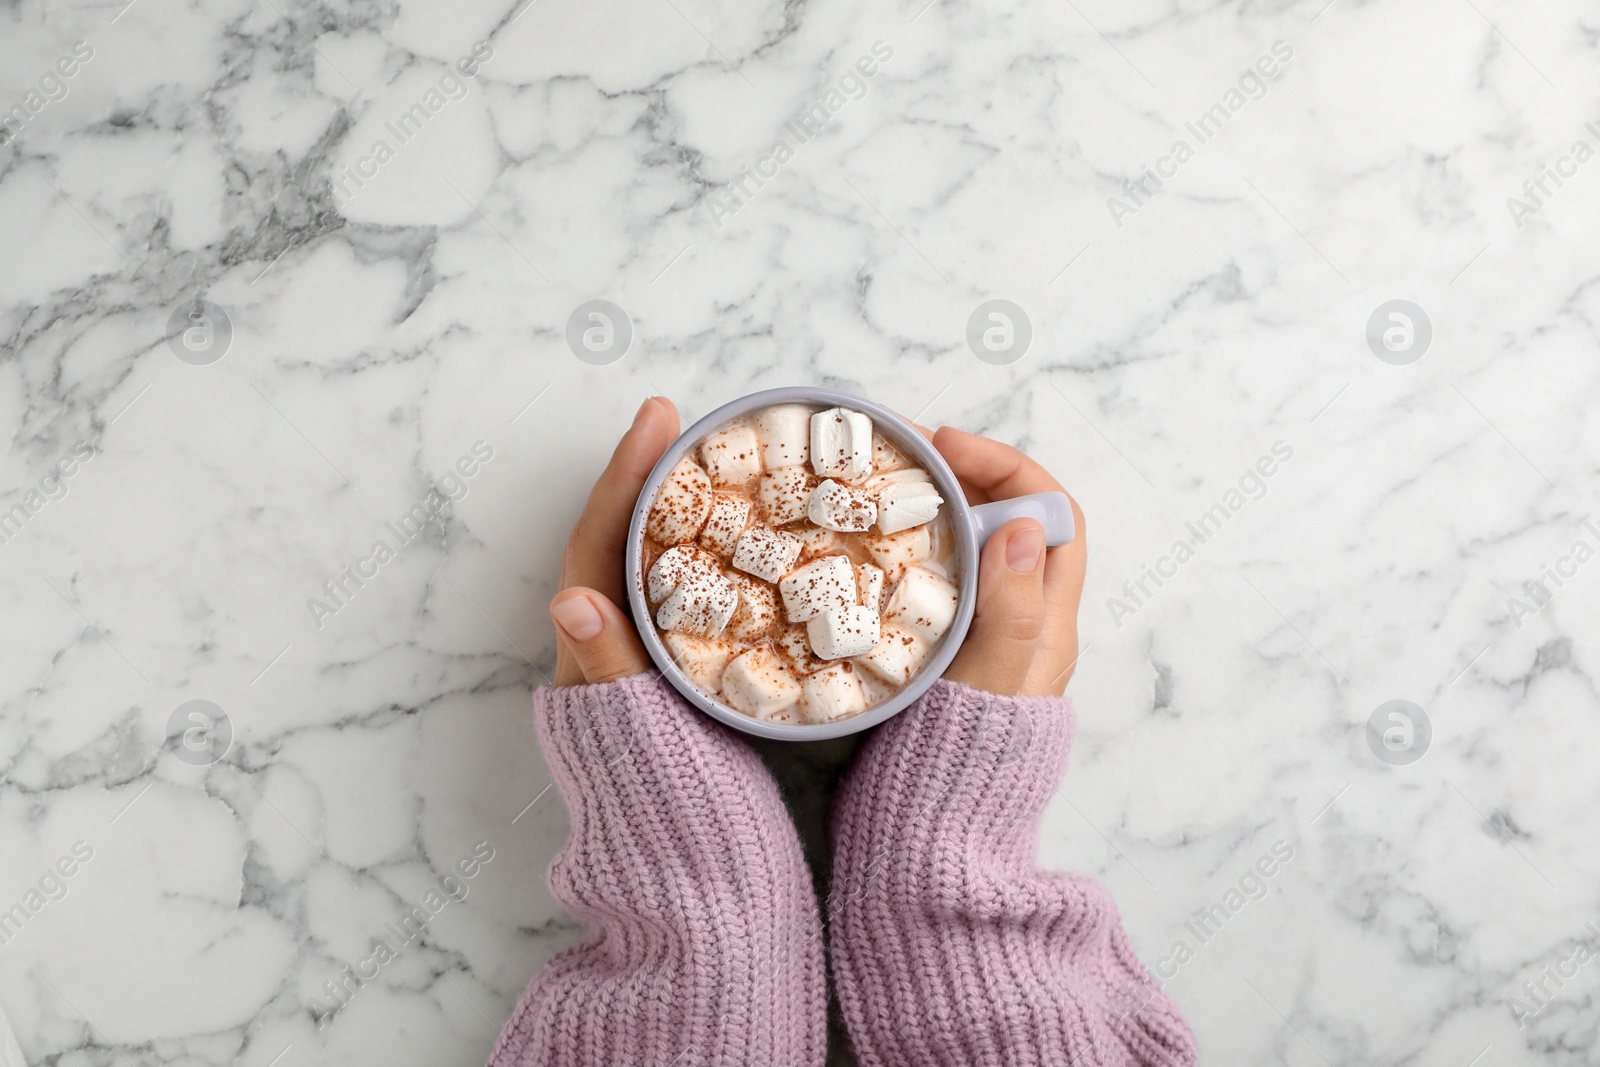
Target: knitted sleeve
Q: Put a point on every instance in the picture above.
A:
(950, 945)
(705, 946)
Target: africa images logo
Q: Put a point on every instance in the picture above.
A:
(408, 529)
(53, 87)
(725, 202)
(398, 934)
(1253, 85)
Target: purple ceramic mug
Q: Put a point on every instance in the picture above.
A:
(971, 524)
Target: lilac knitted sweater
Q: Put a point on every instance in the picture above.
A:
(949, 946)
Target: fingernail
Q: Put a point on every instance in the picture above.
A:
(1025, 549)
(639, 415)
(578, 618)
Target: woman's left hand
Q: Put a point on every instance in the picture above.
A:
(595, 640)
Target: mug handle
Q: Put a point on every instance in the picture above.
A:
(1052, 510)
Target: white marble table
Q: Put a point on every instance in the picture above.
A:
(373, 316)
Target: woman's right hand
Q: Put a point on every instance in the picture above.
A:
(1024, 636)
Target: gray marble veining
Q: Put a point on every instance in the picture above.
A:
(389, 216)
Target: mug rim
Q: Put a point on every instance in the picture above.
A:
(905, 437)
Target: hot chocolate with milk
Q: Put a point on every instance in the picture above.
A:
(798, 566)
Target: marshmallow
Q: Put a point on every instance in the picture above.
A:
(869, 586)
(758, 684)
(732, 457)
(782, 494)
(767, 554)
(701, 605)
(827, 583)
(725, 522)
(898, 655)
(841, 444)
(895, 552)
(815, 542)
(841, 632)
(792, 644)
(923, 602)
(838, 507)
(671, 566)
(757, 613)
(907, 504)
(702, 659)
(875, 689)
(831, 693)
(879, 482)
(681, 505)
(885, 456)
(785, 433)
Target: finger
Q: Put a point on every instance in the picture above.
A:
(594, 552)
(1000, 471)
(601, 643)
(1065, 565)
(1010, 616)
(1057, 655)
(991, 467)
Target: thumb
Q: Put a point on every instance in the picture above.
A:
(1010, 613)
(597, 636)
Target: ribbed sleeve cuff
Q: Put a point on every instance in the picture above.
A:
(959, 773)
(598, 733)
(950, 946)
(705, 942)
